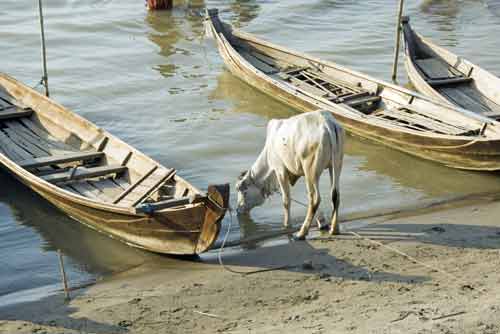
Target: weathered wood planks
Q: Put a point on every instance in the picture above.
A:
(264, 67)
(450, 81)
(145, 186)
(421, 122)
(13, 112)
(170, 203)
(84, 173)
(47, 143)
(450, 78)
(54, 160)
(467, 149)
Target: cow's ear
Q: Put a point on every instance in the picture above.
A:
(242, 175)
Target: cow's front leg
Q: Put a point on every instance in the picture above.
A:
(284, 184)
(314, 201)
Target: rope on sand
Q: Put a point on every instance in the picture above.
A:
(395, 250)
(243, 273)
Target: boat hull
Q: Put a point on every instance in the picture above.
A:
(183, 229)
(479, 91)
(480, 155)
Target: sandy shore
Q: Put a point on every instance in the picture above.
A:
(341, 285)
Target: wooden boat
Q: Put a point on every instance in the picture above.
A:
(367, 107)
(101, 181)
(440, 74)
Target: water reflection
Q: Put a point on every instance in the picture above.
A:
(243, 11)
(444, 14)
(170, 29)
(427, 177)
(89, 250)
(405, 171)
(493, 6)
(246, 99)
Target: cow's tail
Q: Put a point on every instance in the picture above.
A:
(337, 156)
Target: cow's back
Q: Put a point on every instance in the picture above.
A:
(298, 138)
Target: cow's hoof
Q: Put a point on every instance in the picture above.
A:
(332, 233)
(298, 237)
(324, 227)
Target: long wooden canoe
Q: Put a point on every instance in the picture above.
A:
(101, 181)
(367, 107)
(438, 73)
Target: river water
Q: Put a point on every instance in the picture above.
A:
(154, 81)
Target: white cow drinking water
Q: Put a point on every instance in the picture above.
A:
(303, 145)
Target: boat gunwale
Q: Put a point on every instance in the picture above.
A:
(232, 52)
(252, 38)
(443, 53)
(80, 199)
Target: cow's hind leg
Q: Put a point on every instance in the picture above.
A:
(284, 184)
(314, 201)
(334, 227)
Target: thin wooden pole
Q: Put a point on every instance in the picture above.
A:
(63, 275)
(45, 79)
(398, 39)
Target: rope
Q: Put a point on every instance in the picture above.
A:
(403, 254)
(395, 250)
(40, 83)
(243, 273)
(305, 205)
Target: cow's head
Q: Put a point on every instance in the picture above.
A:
(249, 194)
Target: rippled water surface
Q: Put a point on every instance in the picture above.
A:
(154, 81)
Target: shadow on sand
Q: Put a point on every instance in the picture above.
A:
(53, 311)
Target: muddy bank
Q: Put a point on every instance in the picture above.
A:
(341, 285)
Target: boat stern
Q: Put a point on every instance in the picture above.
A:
(217, 204)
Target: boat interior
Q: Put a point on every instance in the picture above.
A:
(451, 80)
(366, 98)
(90, 170)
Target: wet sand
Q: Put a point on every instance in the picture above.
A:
(339, 285)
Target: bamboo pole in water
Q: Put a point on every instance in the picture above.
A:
(45, 80)
(63, 275)
(398, 39)
(159, 4)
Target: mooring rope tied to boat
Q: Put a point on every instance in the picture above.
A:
(243, 273)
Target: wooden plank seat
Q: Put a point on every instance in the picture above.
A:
(364, 101)
(79, 173)
(449, 81)
(12, 112)
(435, 68)
(492, 114)
(350, 97)
(59, 159)
(144, 186)
(319, 84)
(263, 58)
(285, 75)
(170, 203)
(256, 62)
(307, 87)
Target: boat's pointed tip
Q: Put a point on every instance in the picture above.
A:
(212, 12)
(219, 194)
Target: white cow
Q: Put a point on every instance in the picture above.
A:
(303, 145)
